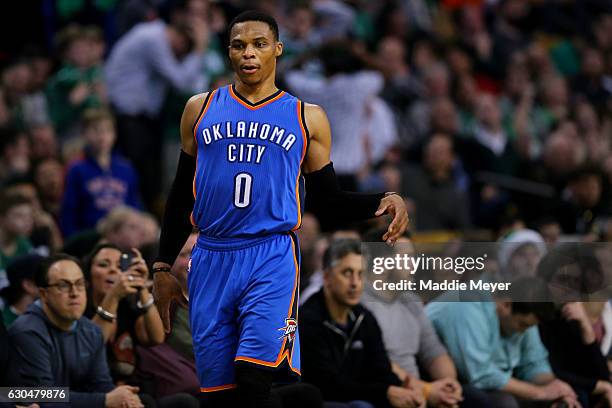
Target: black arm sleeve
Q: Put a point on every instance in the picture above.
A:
(325, 199)
(176, 225)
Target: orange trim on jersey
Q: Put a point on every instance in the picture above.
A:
(281, 354)
(218, 388)
(295, 289)
(297, 181)
(295, 281)
(264, 363)
(208, 100)
(268, 364)
(195, 138)
(254, 107)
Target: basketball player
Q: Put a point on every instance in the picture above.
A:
(246, 150)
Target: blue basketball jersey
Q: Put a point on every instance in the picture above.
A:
(248, 181)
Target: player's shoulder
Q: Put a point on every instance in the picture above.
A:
(315, 118)
(314, 112)
(197, 100)
(194, 106)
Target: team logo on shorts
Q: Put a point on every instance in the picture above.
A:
(289, 329)
(189, 265)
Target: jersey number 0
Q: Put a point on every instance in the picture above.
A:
(242, 190)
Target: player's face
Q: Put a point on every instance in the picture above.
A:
(344, 280)
(253, 51)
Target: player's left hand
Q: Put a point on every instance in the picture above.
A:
(167, 289)
(394, 205)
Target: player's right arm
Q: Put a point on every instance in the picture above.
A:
(176, 223)
(192, 110)
(324, 195)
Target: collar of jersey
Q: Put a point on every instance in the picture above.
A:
(250, 105)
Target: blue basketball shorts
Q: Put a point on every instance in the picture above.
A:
(243, 300)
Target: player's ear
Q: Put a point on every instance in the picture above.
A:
(279, 49)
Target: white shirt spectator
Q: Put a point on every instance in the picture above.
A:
(142, 66)
(344, 97)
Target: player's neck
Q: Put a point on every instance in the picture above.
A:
(257, 92)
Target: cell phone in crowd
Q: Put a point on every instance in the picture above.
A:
(126, 260)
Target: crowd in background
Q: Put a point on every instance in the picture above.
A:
(492, 119)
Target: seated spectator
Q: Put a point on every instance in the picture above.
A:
(315, 281)
(432, 187)
(497, 349)
(53, 345)
(520, 253)
(410, 340)
(46, 236)
(585, 201)
(22, 291)
(585, 368)
(16, 223)
(342, 348)
(121, 304)
(100, 181)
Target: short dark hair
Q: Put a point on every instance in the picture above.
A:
(340, 248)
(42, 274)
(573, 253)
(10, 200)
(88, 259)
(254, 15)
(528, 295)
(19, 269)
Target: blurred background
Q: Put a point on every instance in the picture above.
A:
(486, 116)
(492, 118)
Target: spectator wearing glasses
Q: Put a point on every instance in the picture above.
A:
(52, 344)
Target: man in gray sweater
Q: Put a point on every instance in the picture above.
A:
(53, 345)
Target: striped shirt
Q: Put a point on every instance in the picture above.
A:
(344, 98)
(142, 66)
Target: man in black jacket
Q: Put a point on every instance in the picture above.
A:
(53, 345)
(342, 347)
